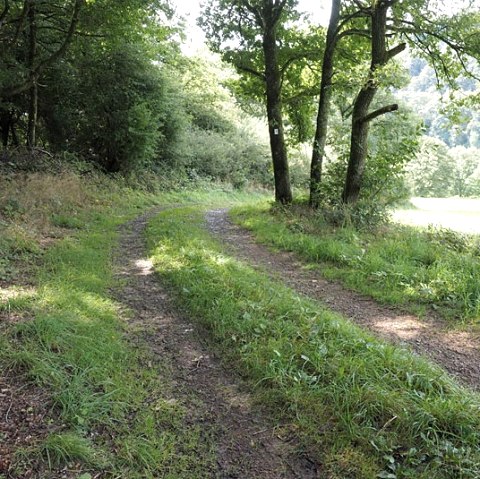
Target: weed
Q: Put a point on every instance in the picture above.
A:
(67, 221)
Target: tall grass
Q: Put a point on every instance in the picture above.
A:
(411, 267)
(365, 408)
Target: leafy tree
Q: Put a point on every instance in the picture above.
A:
(431, 173)
(118, 113)
(466, 161)
(34, 34)
(392, 144)
(258, 38)
(445, 42)
(381, 54)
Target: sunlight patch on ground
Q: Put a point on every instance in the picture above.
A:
(404, 327)
(15, 292)
(459, 214)
(145, 267)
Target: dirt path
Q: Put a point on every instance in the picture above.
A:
(456, 351)
(246, 443)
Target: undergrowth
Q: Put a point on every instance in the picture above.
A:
(366, 408)
(400, 265)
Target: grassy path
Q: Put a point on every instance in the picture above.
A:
(458, 352)
(110, 380)
(361, 407)
(232, 437)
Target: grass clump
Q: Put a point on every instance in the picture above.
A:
(367, 408)
(60, 449)
(418, 269)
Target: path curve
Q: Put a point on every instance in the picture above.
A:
(246, 440)
(456, 351)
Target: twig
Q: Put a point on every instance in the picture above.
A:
(9, 408)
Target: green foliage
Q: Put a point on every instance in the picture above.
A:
(448, 116)
(402, 265)
(466, 171)
(393, 142)
(431, 173)
(439, 171)
(114, 115)
(447, 41)
(236, 35)
(233, 158)
(217, 140)
(138, 115)
(372, 409)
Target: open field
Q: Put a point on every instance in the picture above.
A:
(459, 214)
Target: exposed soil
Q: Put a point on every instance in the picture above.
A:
(24, 412)
(247, 443)
(27, 415)
(456, 351)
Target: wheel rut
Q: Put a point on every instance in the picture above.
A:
(246, 440)
(458, 352)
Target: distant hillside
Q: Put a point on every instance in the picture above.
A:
(424, 97)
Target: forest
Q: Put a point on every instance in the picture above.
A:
(250, 254)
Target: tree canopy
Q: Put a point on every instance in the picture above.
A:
(108, 82)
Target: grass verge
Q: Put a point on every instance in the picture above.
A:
(414, 268)
(367, 409)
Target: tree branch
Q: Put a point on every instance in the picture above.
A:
(252, 71)
(21, 23)
(362, 7)
(301, 56)
(9, 92)
(4, 13)
(345, 19)
(354, 31)
(68, 38)
(379, 112)
(395, 51)
(256, 13)
(278, 7)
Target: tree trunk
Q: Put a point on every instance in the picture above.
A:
(5, 125)
(283, 192)
(358, 144)
(361, 118)
(320, 139)
(33, 93)
(32, 117)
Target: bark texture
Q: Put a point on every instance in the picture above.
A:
(283, 193)
(320, 139)
(361, 117)
(273, 83)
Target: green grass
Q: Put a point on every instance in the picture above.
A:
(365, 408)
(76, 348)
(414, 268)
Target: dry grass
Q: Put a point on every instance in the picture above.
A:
(35, 210)
(33, 199)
